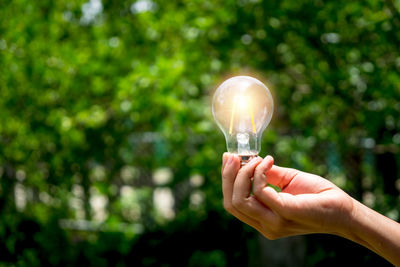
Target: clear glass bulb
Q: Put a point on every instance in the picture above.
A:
(242, 107)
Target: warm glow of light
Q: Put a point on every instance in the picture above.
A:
(243, 104)
(252, 120)
(232, 115)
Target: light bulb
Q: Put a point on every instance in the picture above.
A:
(242, 107)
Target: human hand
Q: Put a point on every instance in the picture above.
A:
(306, 204)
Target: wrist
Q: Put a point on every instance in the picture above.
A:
(350, 228)
(374, 231)
(358, 224)
(347, 220)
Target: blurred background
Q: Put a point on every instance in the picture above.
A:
(109, 155)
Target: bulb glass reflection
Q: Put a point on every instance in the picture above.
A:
(242, 107)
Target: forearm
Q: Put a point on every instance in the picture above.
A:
(374, 231)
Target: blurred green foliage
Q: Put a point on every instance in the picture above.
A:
(108, 151)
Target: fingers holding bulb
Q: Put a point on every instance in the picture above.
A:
(242, 186)
(225, 158)
(230, 169)
(260, 178)
(241, 198)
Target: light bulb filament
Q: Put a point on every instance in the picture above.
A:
(243, 105)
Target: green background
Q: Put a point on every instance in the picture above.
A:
(105, 119)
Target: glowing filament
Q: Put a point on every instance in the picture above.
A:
(243, 105)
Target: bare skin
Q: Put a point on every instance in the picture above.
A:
(306, 204)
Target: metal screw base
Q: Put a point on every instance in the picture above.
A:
(244, 159)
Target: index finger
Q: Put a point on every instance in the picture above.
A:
(229, 173)
(242, 199)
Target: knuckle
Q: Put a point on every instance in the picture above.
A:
(276, 230)
(259, 171)
(238, 203)
(269, 233)
(271, 236)
(245, 170)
